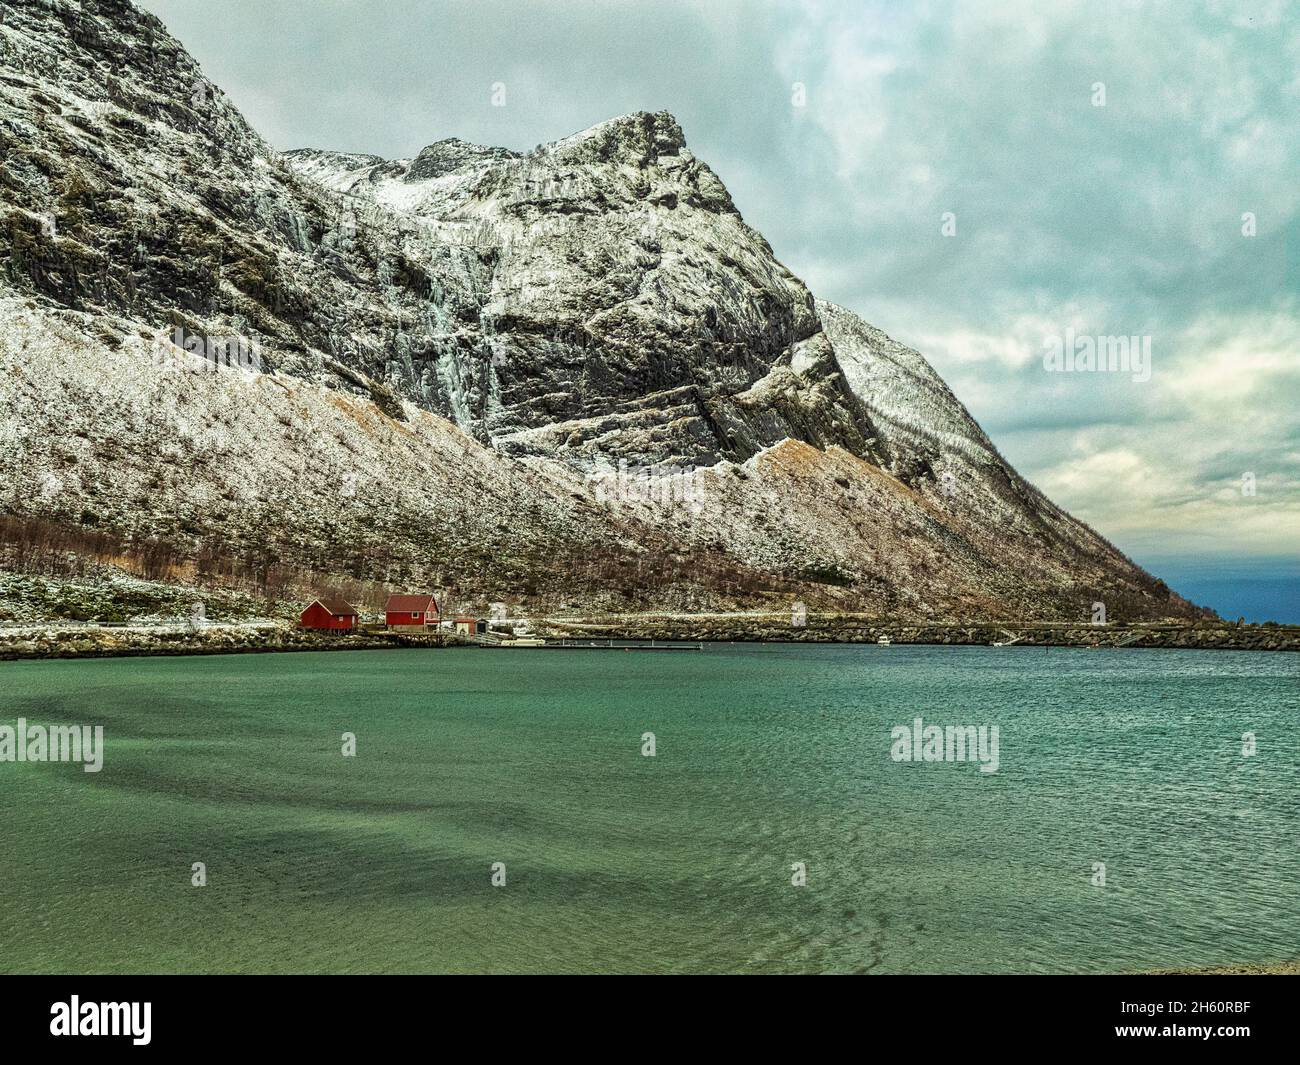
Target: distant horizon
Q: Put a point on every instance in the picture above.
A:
(1259, 590)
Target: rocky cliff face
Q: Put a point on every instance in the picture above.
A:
(628, 312)
(573, 374)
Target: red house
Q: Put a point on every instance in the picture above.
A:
(411, 613)
(330, 614)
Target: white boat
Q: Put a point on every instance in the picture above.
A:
(524, 641)
(884, 641)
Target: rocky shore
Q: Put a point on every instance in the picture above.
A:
(841, 628)
(114, 642)
(1282, 968)
(92, 641)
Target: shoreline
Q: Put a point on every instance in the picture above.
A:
(168, 642)
(1246, 968)
(849, 629)
(38, 642)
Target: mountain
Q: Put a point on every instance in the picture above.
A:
(569, 376)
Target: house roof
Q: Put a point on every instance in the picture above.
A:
(339, 608)
(411, 604)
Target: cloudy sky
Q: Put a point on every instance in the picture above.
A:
(973, 178)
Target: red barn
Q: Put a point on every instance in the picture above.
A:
(411, 613)
(331, 614)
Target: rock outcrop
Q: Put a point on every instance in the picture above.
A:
(573, 374)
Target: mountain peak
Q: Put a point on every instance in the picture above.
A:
(451, 154)
(642, 136)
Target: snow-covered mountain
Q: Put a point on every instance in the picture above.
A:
(573, 374)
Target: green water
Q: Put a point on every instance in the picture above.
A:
(766, 756)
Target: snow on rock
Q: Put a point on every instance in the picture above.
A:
(574, 372)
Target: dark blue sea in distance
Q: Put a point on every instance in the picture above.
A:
(1259, 590)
